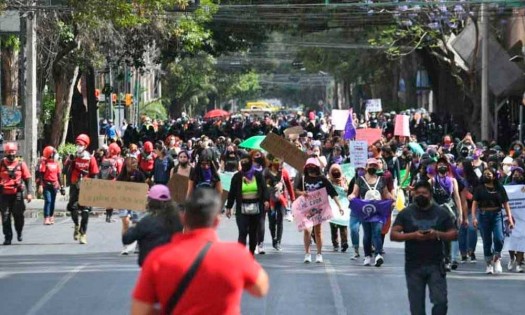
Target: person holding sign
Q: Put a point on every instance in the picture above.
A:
(313, 180)
(83, 166)
(371, 186)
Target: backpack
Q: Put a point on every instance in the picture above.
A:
(372, 193)
(108, 169)
(12, 172)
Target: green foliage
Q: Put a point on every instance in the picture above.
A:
(66, 149)
(154, 110)
(10, 41)
(48, 107)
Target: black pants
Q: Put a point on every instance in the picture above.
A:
(418, 278)
(275, 220)
(343, 234)
(12, 205)
(248, 226)
(75, 208)
(261, 229)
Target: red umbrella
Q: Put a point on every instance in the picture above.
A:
(216, 113)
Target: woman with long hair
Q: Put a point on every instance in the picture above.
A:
(468, 233)
(250, 194)
(205, 175)
(489, 198)
(158, 226)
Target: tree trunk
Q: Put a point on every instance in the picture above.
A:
(65, 79)
(9, 59)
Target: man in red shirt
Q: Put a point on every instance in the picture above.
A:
(14, 179)
(225, 270)
(83, 166)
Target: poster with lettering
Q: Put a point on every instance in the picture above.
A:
(401, 127)
(343, 199)
(358, 153)
(312, 210)
(516, 238)
(374, 105)
(113, 194)
(339, 118)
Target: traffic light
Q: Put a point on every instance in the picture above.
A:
(129, 99)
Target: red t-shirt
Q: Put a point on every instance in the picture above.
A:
(19, 171)
(50, 171)
(217, 287)
(85, 165)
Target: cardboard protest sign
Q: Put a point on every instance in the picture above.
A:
(281, 148)
(311, 210)
(339, 118)
(402, 127)
(516, 239)
(374, 105)
(113, 194)
(343, 199)
(297, 130)
(358, 153)
(369, 135)
(178, 186)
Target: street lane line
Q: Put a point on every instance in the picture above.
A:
(336, 290)
(43, 300)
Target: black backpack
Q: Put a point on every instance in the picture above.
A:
(108, 169)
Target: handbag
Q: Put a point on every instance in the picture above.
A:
(250, 208)
(186, 280)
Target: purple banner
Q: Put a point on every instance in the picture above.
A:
(371, 210)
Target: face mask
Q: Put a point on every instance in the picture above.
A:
(486, 180)
(10, 157)
(517, 148)
(80, 148)
(442, 170)
(259, 160)
(246, 167)
(421, 201)
(371, 171)
(336, 175)
(172, 142)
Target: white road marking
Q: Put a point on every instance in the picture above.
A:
(336, 290)
(44, 299)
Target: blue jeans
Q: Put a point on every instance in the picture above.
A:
(50, 195)
(372, 235)
(355, 223)
(491, 226)
(468, 238)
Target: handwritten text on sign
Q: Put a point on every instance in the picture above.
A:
(112, 194)
(312, 210)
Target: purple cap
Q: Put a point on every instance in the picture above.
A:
(159, 192)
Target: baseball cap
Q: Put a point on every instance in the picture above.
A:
(372, 161)
(159, 192)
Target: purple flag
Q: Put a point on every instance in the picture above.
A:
(371, 210)
(349, 127)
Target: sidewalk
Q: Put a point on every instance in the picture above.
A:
(35, 208)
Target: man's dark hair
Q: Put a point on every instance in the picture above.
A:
(202, 208)
(423, 184)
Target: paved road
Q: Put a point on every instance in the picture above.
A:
(48, 273)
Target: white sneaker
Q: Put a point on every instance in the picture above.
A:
(261, 249)
(367, 261)
(497, 266)
(379, 261)
(318, 258)
(307, 258)
(511, 265)
(490, 269)
(519, 268)
(128, 249)
(288, 217)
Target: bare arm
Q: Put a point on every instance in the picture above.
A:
(397, 235)
(261, 286)
(457, 200)
(190, 188)
(141, 308)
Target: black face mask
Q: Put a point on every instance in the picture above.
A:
(442, 170)
(10, 157)
(422, 201)
(486, 180)
(336, 175)
(371, 171)
(246, 167)
(259, 160)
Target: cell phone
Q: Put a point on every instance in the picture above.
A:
(425, 231)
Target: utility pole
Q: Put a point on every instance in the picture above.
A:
(31, 122)
(484, 73)
(520, 129)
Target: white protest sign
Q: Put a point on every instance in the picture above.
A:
(358, 153)
(516, 241)
(339, 118)
(374, 105)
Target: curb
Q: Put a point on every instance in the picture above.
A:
(59, 213)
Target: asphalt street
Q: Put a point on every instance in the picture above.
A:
(49, 273)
